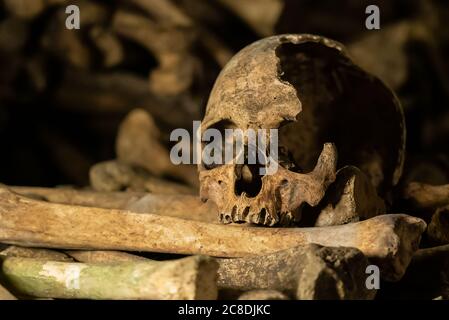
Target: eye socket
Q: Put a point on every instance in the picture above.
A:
(216, 150)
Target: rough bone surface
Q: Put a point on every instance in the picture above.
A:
(387, 240)
(307, 87)
(306, 272)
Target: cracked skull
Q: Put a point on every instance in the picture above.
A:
(308, 89)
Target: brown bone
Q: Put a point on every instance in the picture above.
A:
(350, 198)
(116, 175)
(5, 294)
(263, 295)
(187, 278)
(388, 240)
(138, 140)
(171, 205)
(426, 196)
(428, 271)
(438, 229)
(307, 272)
(35, 253)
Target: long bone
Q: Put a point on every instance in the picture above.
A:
(425, 196)
(187, 278)
(388, 240)
(308, 272)
(173, 205)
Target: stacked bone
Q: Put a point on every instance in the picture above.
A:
(119, 238)
(90, 244)
(281, 259)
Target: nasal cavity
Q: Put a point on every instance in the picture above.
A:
(250, 181)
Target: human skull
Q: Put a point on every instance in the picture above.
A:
(307, 87)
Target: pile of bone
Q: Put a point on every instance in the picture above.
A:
(318, 228)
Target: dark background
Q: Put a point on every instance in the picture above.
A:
(61, 102)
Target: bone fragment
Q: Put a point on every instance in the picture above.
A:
(138, 143)
(69, 44)
(438, 228)
(261, 16)
(109, 45)
(389, 64)
(170, 45)
(426, 196)
(35, 253)
(187, 278)
(172, 205)
(103, 256)
(117, 176)
(88, 198)
(5, 294)
(427, 277)
(310, 272)
(165, 12)
(26, 9)
(177, 206)
(263, 295)
(350, 198)
(388, 240)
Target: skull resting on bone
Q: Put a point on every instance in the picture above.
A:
(320, 101)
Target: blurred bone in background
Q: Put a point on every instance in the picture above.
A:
(64, 93)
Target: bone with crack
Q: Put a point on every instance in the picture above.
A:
(438, 228)
(307, 272)
(137, 143)
(188, 278)
(36, 253)
(280, 195)
(350, 198)
(172, 205)
(116, 176)
(263, 295)
(426, 196)
(388, 240)
(5, 294)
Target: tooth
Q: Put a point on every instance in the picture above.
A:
(268, 220)
(256, 218)
(238, 214)
(249, 218)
